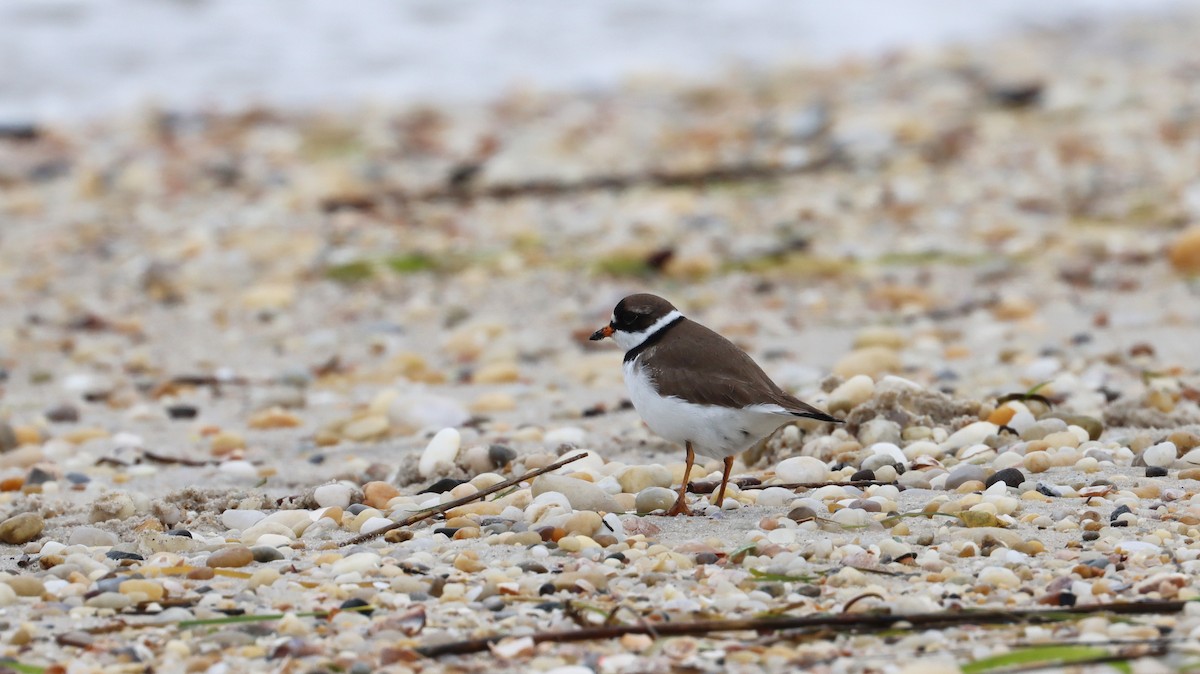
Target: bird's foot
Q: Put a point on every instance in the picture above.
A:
(680, 508)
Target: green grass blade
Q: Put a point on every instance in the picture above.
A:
(1039, 655)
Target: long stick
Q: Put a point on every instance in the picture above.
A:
(843, 620)
(437, 510)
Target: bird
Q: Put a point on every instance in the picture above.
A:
(696, 388)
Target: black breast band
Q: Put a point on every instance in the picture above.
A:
(651, 340)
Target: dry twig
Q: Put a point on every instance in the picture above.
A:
(426, 514)
(844, 621)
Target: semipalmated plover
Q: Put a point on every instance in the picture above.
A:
(693, 386)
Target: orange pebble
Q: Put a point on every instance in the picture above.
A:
(1002, 415)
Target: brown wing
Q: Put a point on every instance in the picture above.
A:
(714, 371)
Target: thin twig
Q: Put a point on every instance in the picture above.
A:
(163, 458)
(1098, 660)
(426, 514)
(818, 485)
(661, 179)
(863, 621)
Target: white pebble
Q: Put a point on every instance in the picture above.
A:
(241, 519)
(440, 453)
(802, 469)
(567, 435)
(356, 563)
(998, 576)
(336, 494)
(1162, 455)
(890, 450)
(374, 524)
(774, 497)
(971, 434)
(240, 469)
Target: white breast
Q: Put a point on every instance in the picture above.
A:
(714, 431)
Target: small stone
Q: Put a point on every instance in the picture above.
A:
(802, 469)
(584, 522)
(801, 514)
(582, 495)
(374, 524)
(654, 498)
(1162, 455)
(426, 411)
(872, 361)
(273, 418)
(112, 600)
(879, 431)
(634, 479)
(116, 505)
(359, 562)
(363, 429)
(998, 576)
(851, 393)
(1156, 471)
(8, 437)
(1037, 462)
(265, 553)
(225, 442)
(26, 586)
(377, 494)
(231, 557)
(971, 434)
(336, 495)
(440, 453)
(63, 414)
(150, 590)
(1184, 251)
(21, 528)
(91, 537)
(242, 519)
(501, 455)
(964, 473)
(1009, 476)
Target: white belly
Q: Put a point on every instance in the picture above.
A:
(714, 431)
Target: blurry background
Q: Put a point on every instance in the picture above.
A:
(82, 58)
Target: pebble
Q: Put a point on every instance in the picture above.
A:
(971, 434)
(148, 589)
(336, 495)
(1009, 476)
(655, 498)
(91, 537)
(851, 393)
(363, 429)
(359, 562)
(871, 361)
(377, 494)
(21, 528)
(440, 453)
(582, 495)
(634, 479)
(1184, 251)
(965, 473)
(1161, 455)
(426, 411)
(241, 519)
(802, 469)
(26, 586)
(265, 553)
(231, 557)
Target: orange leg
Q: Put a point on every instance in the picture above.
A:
(681, 506)
(724, 481)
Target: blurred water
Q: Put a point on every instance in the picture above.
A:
(82, 58)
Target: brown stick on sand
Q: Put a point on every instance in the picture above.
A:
(425, 514)
(860, 621)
